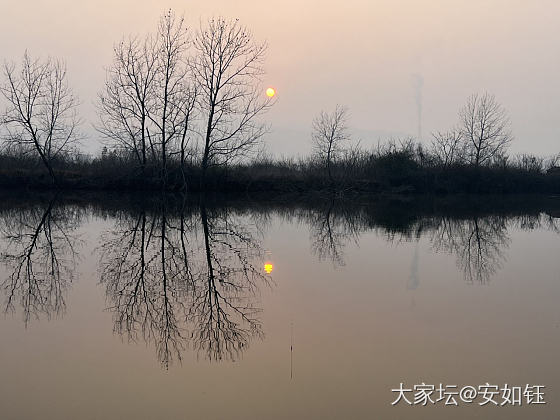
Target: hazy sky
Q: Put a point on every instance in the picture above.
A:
(377, 57)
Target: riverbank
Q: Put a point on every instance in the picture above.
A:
(396, 174)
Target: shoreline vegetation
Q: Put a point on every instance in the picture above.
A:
(396, 169)
(181, 111)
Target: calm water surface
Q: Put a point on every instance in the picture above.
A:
(122, 309)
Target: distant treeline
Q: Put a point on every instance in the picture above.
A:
(397, 167)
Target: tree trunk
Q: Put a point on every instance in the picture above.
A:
(46, 163)
(207, 147)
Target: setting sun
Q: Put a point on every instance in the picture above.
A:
(268, 267)
(270, 92)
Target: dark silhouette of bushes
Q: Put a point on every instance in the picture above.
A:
(404, 168)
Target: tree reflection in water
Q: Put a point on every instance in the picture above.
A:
(183, 277)
(332, 227)
(40, 255)
(476, 238)
(478, 244)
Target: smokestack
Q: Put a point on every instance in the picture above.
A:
(418, 83)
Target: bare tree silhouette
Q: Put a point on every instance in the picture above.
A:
(329, 135)
(485, 128)
(41, 115)
(148, 104)
(448, 146)
(127, 99)
(227, 68)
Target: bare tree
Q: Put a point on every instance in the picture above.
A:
(485, 127)
(529, 163)
(148, 102)
(173, 97)
(227, 68)
(448, 146)
(125, 103)
(329, 134)
(184, 123)
(41, 115)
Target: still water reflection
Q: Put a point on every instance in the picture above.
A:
(186, 276)
(317, 308)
